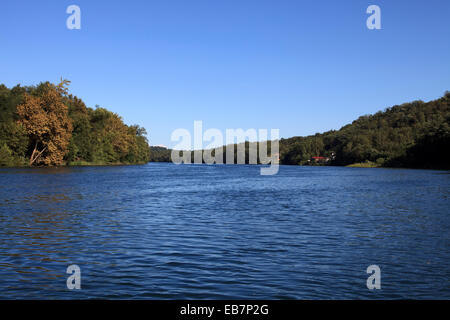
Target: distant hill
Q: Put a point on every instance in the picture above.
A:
(413, 135)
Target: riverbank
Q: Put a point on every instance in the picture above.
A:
(101, 164)
(79, 164)
(366, 164)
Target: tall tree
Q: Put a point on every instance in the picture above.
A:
(45, 119)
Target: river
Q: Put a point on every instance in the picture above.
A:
(162, 231)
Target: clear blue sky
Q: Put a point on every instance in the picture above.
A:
(300, 66)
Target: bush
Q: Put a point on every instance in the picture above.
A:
(6, 157)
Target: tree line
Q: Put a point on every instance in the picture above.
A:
(44, 125)
(411, 135)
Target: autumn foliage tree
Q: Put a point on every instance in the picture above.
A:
(45, 118)
(45, 125)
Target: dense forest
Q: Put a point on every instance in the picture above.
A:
(411, 135)
(43, 125)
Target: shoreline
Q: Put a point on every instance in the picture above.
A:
(117, 164)
(72, 165)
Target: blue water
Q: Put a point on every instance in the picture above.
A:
(162, 231)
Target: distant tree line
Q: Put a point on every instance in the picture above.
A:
(160, 154)
(43, 125)
(413, 135)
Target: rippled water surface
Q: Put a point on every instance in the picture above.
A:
(195, 231)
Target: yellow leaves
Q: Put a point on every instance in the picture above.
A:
(63, 86)
(118, 133)
(32, 116)
(46, 121)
